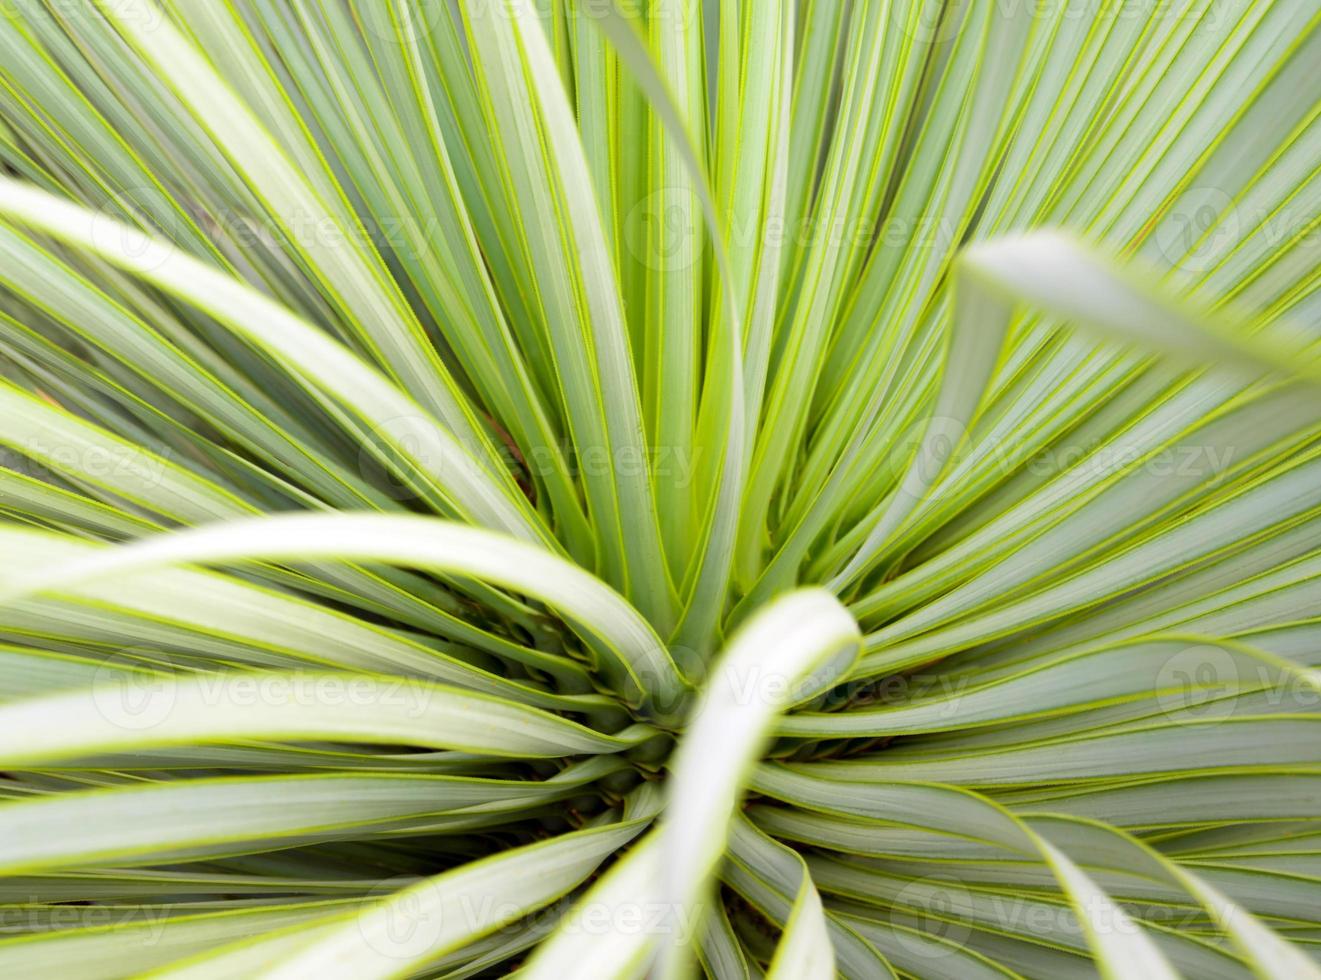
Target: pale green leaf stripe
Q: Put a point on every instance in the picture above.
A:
(926, 954)
(152, 885)
(458, 906)
(447, 268)
(975, 346)
(763, 139)
(1191, 799)
(608, 932)
(1165, 669)
(243, 958)
(353, 275)
(566, 248)
(20, 493)
(796, 646)
(1054, 528)
(238, 622)
(673, 316)
(698, 622)
(25, 672)
(1275, 503)
(241, 622)
(633, 53)
(633, 655)
(433, 450)
(114, 951)
(250, 956)
(1178, 744)
(1122, 949)
(1054, 272)
(719, 950)
(770, 875)
(230, 815)
(1005, 924)
(1271, 956)
(805, 950)
(130, 470)
(370, 709)
(166, 357)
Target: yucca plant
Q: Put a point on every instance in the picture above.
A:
(742, 487)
